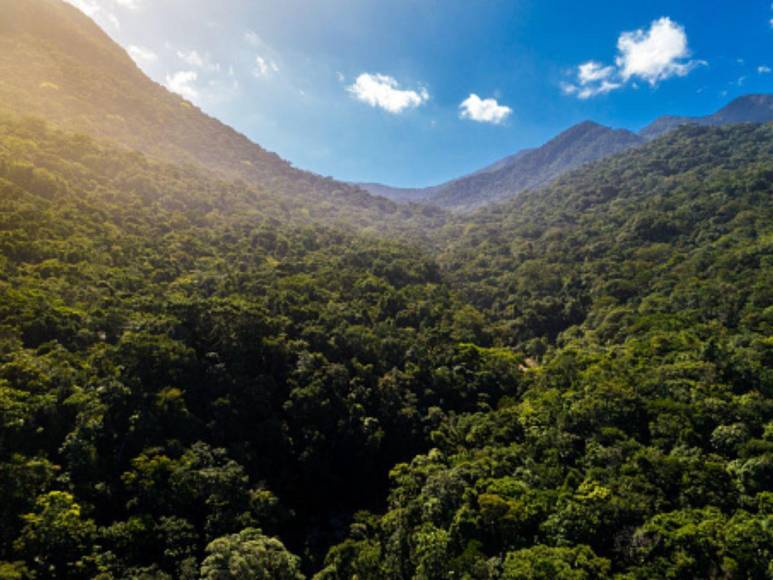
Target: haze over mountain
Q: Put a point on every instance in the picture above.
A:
(583, 143)
(529, 169)
(746, 109)
(526, 169)
(56, 63)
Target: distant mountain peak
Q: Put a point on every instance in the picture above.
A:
(582, 143)
(755, 108)
(579, 144)
(747, 109)
(586, 125)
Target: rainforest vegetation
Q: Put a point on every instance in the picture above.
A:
(197, 380)
(215, 365)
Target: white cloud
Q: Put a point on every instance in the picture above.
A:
(142, 55)
(102, 11)
(592, 71)
(592, 90)
(113, 20)
(484, 110)
(130, 4)
(593, 78)
(96, 11)
(652, 55)
(383, 91)
(184, 84)
(763, 70)
(656, 54)
(266, 61)
(191, 86)
(88, 7)
(195, 59)
(264, 67)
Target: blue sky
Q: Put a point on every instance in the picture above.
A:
(415, 92)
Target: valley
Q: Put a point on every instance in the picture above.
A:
(214, 364)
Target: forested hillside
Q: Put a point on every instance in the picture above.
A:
(640, 442)
(214, 365)
(578, 385)
(531, 169)
(746, 109)
(577, 146)
(176, 367)
(527, 169)
(57, 64)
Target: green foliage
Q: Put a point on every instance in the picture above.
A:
(631, 297)
(541, 562)
(574, 384)
(55, 534)
(249, 554)
(184, 366)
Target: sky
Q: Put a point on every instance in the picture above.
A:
(416, 92)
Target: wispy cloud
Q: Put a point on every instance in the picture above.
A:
(184, 84)
(142, 55)
(198, 60)
(593, 78)
(763, 70)
(266, 57)
(378, 90)
(131, 4)
(97, 11)
(104, 11)
(652, 55)
(202, 88)
(592, 71)
(484, 110)
(264, 67)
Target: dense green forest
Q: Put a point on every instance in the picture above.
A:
(640, 441)
(198, 380)
(215, 365)
(164, 349)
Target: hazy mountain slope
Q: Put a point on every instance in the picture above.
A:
(746, 109)
(580, 144)
(526, 169)
(400, 194)
(57, 64)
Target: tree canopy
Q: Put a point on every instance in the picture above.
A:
(199, 378)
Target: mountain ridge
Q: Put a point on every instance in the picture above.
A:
(205, 377)
(755, 108)
(584, 142)
(61, 66)
(523, 170)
